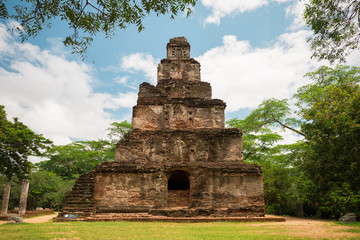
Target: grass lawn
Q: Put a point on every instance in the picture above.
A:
(160, 230)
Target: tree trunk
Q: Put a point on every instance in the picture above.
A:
(23, 196)
(5, 202)
(300, 209)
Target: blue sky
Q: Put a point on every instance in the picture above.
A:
(249, 51)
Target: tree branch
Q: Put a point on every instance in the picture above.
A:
(285, 126)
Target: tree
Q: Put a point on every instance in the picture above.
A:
(117, 130)
(257, 141)
(48, 190)
(330, 107)
(71, 160)
(275, 113)
(17, 143)
(87, 18)
(68, 161)
(336, 27)
(282, 180)
(319, 175)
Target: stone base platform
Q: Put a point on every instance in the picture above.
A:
(4, 217)
(144, 217)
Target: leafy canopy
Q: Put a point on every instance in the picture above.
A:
(17, 143)
(117, 130)
(71, 160)
(283, 183)
(87, 18)
(318, 176)
(259, 136)
(336, 28)
(331, 109)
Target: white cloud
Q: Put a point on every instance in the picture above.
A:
(222, 8)
(143, 62)
(245, 76)
(122, 100)
(296, 11)
(121, 80)
(53, 95)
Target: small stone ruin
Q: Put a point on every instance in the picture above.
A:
(179, 160)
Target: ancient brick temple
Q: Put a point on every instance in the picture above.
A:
(179, 160)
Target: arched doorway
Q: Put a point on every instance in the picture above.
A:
(178, 189)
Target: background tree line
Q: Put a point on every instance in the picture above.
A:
(53, 178)
(319, 175)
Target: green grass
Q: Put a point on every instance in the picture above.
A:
(355, 225)
(146, 230)
(137, 230)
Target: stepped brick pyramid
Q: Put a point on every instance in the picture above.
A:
(179, 160)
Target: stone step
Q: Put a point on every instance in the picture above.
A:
(83, 187)
(146, 218)
(78, 190)
(87, 203)
(83, 191)
(78, 209)
(85, 180)
(79, 196)
(78, 202)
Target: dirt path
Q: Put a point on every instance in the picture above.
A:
(41, 219)
(310, 228)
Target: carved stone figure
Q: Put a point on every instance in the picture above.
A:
(178, 149)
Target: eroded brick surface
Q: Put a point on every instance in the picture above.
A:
(179, 160)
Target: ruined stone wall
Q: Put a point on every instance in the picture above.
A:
(168, 89)
(238, 194)
(177, 116)
(187, 70)
(129, 191)
(178, 198)
(199, 145)
(177, 105)
(221, 189)
(178, 48)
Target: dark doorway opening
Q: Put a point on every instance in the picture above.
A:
(178, 189)
(178, 180)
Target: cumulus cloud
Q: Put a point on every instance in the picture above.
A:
(296, 11)
(244, 76)
(142, 62)
(121, 80)
(53, 95)
(222, 8)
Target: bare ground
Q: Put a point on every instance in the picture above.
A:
(41, 219)
(310, 228)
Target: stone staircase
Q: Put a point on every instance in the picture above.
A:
(80, 199)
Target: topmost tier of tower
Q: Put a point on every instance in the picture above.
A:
(178, 65)
(178, 48)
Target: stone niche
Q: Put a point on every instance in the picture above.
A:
(179, 160)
